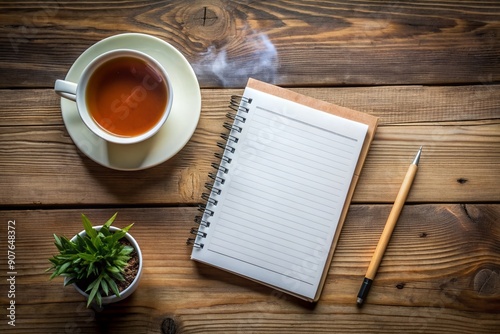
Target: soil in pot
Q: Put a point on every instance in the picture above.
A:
(131, 270)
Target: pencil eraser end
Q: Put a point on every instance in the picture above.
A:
(363, 291)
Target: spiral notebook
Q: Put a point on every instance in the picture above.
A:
(280, 193)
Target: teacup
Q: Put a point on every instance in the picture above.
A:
(123, 96)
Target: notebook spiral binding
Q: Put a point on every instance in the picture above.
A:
(238, 104)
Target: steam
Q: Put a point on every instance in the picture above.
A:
(257, 58)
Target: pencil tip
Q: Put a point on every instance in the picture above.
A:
(417, 157)
(359, 301)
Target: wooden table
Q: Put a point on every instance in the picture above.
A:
(430, 70)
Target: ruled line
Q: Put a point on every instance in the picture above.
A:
(307, 124)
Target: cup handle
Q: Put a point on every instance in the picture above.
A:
(66, 89)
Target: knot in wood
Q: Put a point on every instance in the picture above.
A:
(168, 326)
(207, 21)
(206, 17)
(487, 282)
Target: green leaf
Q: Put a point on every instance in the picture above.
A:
(70, 281)
(113, 286)
(66, 243)
(88, 246)
(120, 264)
(88, 227)
(91, 285)
(98, 298)
(118, 235)
(110, 220)
(126, 250)
(118, 277)
(113, 269)
(125, 229)
(95, 288)
(122, 232)
(87, 257)
(62, 268)
(104, 232)
(97, 243)
(123, 258)
(104, 286)
(90, 269)
(58, 242)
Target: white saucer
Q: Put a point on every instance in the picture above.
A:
(176, 131)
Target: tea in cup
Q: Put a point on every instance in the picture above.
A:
(123, 96)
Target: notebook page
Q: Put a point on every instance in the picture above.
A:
(283, 193)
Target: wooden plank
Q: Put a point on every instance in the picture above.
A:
(288, 42)
(20, 107)
(392, 104)
(440, 274)
(460, 162)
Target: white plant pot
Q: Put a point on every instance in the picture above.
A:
(135, 283)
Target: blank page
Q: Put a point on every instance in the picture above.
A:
(283, 193)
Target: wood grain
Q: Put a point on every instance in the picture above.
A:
(439, 274)
(470, 152)
(461, 157)
(356, 43)
(392, 104)
(430, 70)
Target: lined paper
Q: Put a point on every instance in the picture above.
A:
(283, 194)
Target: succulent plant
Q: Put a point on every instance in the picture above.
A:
(94, 261)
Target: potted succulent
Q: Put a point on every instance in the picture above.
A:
(104, 263)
